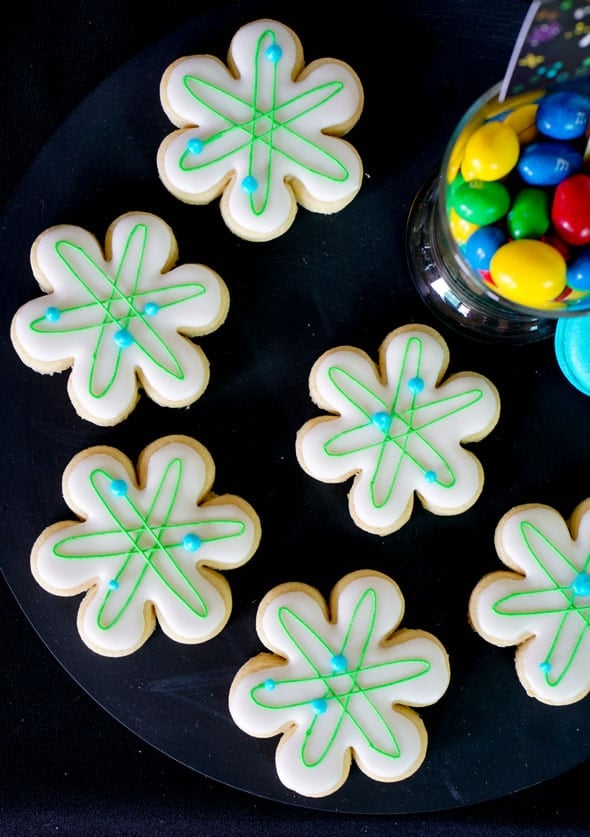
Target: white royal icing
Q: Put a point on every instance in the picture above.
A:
(397, 430)
(261, 126)
(119, 319)
(131, 551)
(340, 686)
(542, 605)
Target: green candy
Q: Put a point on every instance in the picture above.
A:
(481, 202)
(455, 184)
(529, 215)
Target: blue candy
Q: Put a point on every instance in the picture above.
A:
(572, 351)
(481, 246)
(548, 163)
(578, 272)
(563, 116)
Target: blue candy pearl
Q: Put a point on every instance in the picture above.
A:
(123, 338)
(273, 53)
(416, 385)
(191, 542)
(113, 584)
(151, 309)
(382, 421)
(195, 145)
(119, 488)
(269, 684)
(319, 706)
(581, 585)
(338, 663)
(430, 476)
(249, 184)
(52, 314)
(545, 666)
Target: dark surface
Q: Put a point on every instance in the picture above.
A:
(68, 764)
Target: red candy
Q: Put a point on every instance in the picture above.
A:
(570, 211)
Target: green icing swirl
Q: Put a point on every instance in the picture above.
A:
(259, 131)
(405, 432)
(344, 689)
(563, 600)
(135, 554)
(105, 295)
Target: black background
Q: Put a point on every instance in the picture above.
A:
(68, 767)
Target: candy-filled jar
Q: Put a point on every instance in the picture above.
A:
(498, 240)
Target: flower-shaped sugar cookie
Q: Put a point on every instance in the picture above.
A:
(541, 603)
(338, 685)
(265, 133)
(398, 429)
(147, 547)
(122, 319)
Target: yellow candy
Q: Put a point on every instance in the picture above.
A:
(456, 158)
(460, 228)
(529, 272)
(524, 122)
(523, 102)
(495, 108)
(491, 152)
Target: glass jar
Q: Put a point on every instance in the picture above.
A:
(463, 296)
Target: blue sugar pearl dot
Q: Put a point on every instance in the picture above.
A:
(249, 184)
(581, 585)
(338, 663)
(269, 684)
(545, 666)
(191, 542)
(123, 338)
(151, 309)
(430, 476)
(319, 706)
(52, 314)
(415, 385)
(273, 53)
(382, 421)
(195, 145)
(119, 488)
(113, 584)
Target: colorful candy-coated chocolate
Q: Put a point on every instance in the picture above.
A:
(554, 239)
(529, 214)
(481, 246)
(563, 115)
(524, 122)
(547, 163)
(570, 210)
(481, 201)
(491, 152)
(460, 228)
(485, 275)
(453, 186)
(578, 272)
(529, 272)
(530, 153)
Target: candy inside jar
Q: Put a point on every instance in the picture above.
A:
(498, 237)
(515, 199)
